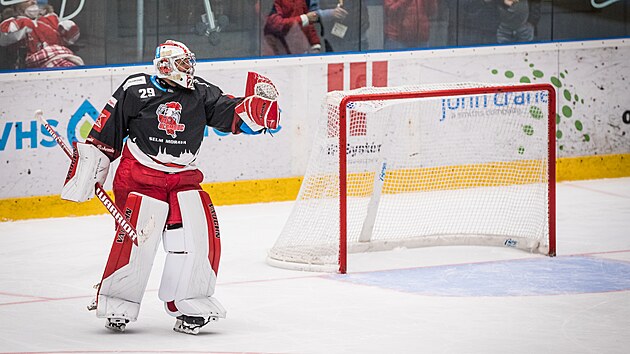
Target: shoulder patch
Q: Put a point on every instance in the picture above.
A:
(140, 80)
(112, 102)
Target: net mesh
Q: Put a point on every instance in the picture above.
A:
(452, 169)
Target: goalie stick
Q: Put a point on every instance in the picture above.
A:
(126, 227)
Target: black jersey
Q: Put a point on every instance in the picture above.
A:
(164, 124)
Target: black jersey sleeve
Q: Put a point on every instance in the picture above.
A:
(219, 108)
(112, 125)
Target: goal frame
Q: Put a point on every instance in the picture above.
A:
(551, 158)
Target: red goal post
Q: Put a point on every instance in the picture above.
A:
(410, 182)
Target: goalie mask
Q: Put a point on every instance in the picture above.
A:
(174, 61)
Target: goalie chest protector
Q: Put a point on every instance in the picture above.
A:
(166, 123)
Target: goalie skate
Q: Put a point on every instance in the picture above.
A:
(116, 324)
(192, 324)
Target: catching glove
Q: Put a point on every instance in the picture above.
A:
(259, 110)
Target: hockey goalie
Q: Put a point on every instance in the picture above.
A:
(157, 184)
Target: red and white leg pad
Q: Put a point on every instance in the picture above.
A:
(129, 265)
(192, 260)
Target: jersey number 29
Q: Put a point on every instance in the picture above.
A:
(146, 93)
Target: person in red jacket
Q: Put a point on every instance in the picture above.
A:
(289, 28)
(407, 22)
(37, 37)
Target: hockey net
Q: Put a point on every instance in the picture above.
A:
(450, 164)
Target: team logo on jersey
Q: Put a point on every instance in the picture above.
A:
(168, 118)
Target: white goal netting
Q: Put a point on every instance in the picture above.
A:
(464, 164)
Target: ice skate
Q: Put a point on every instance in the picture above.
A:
(191, 324)
(116, 324)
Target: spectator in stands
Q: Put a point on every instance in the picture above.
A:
(343, 24)
(36, 38)
(472, 22)
(517, 20)
(289, 28)
(407, 22)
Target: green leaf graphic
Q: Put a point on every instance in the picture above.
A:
(567, 111)
(578, 125)
(556, 82)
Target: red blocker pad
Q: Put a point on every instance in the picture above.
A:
(129, 264)
(192, 262)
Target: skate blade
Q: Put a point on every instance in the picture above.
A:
(116, 327)
(116, 324)
(182, 327)
(192, 331)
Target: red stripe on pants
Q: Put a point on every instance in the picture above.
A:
(121, 248)
(214, 240)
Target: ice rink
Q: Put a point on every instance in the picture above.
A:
(430, 300)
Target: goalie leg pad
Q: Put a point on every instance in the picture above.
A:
(129, 264)
(192, 260)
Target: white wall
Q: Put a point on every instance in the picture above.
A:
(597, 73)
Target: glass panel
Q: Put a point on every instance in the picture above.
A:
(342, 28)
(284, 31)
(110, 34)
(580, 19)
(90, 20)
(407, 24)
(231, 30)
(126, 41)
(61, 42)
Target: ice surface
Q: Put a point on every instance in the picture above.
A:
(472, 299)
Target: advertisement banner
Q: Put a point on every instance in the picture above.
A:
(591, 79)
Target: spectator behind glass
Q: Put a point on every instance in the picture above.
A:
(343, 24)
(36, 38)
(517, 20)
(472, 22)
(407, 22)
(289, 29)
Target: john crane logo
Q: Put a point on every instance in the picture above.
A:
(486, 105)
(169, 115)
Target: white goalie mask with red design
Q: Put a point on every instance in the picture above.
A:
(174, 61)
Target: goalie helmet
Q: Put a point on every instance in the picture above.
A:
(174, 61)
